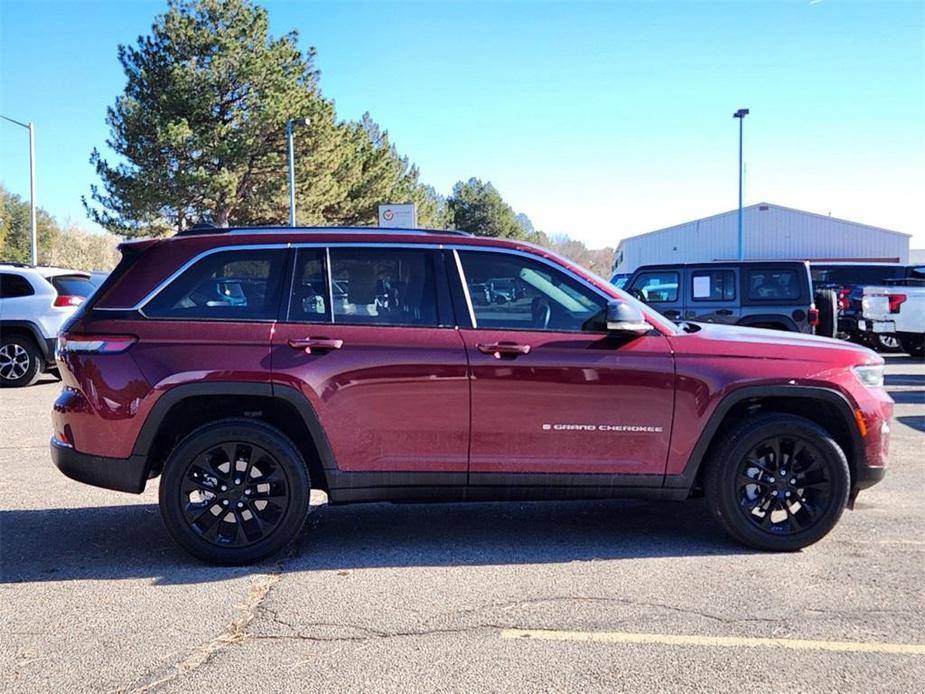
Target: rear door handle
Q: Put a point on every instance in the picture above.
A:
(499, 349)
(321, 344)
(724, 312)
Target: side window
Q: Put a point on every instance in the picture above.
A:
(383, 286)
(13, 286)
(769, 284)
(309, 301)
(713, 285)
(655, 287)
(512, 292)
(228, 285)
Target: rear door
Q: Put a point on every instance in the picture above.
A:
(712, 295)
(369, 339)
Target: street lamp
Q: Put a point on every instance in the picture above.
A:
(290, 127)
(31, 128)
(740, 114)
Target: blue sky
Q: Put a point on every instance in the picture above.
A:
(600, 120)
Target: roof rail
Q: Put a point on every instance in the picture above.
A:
(16, 263)
(205, 228)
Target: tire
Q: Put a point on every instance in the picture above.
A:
(219, 519)
(758, 514)
(827, 305)
(886, 343)
(913, 345)
(21, 361)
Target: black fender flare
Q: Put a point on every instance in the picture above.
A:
(855, 456)
(33, 330)
(177, 394)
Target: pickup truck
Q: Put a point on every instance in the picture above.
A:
(896, 310)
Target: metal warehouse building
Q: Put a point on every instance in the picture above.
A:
(770, 231)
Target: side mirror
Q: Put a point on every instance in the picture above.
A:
(625, 319)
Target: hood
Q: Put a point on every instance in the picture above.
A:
(760, 343)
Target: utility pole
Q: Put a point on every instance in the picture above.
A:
(31, 128)
(290, 141)
(740, 114)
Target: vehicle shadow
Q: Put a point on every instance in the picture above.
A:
(916, 422)
(118, 542)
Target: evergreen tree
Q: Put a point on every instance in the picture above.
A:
(200, 128)
(478, 208)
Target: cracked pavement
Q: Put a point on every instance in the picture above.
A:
(94, 596)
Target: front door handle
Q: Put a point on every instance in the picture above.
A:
(724, 312)
(321, 344)
(499, 349)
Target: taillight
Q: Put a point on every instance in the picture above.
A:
(94, 344)
(69, 300)
(844, 298)
(813, 316)
(895, 301)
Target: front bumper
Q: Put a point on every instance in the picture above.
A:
(122, 474)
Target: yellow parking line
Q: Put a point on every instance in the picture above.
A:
(720, 641)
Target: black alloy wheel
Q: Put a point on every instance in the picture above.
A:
(234, 491)
(777, 482)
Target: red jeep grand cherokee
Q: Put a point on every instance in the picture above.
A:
(246, 365)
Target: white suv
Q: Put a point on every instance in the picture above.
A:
(34, 303)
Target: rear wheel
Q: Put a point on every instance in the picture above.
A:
(779, 482)
(20, 361)
(234, 491)
(886, 343)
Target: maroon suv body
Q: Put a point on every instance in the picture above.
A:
(246, 365)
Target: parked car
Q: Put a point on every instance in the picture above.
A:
(34, 303)
(763, 294)
(844, 278)
(897, 310)
(573, 390)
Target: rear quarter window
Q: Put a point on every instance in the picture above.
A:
(13, 286)
(227, 285)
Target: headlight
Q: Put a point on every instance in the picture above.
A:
(870, 376)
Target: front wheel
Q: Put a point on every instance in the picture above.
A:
(234, 492)
(779, 482)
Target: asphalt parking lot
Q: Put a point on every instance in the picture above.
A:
(602, 596)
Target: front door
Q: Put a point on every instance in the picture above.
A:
(552, 392)
(370, 343)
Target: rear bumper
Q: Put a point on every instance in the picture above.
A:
(869, 476)
(122, 474)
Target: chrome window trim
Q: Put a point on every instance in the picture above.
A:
(465, 286)
(150, 296)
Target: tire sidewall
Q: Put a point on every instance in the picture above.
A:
(722, 491)
(35, 362)
(200, 440)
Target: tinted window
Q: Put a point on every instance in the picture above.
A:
(768, 284)
(654, 287)
(387, 286)
(511, 292)
(309, 300)
(842, 275)
(713, 285)
(72, 285)
(12, 286)
(229, 285)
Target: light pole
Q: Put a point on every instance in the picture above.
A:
(740, 114)
(31, 128)
(290, 127)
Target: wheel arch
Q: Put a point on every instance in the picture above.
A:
(826, 407)
(755, 319)
(25, 327)
(186, 407)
